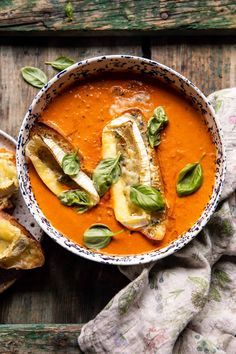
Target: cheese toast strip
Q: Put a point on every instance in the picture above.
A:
(8, 178)
(123, 135)
(18, 249)
(44, 141)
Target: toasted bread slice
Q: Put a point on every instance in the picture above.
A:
(127, 135)
(43, 130)
(44, 141)
(18, 249)
(8, 178)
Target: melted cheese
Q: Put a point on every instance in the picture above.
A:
(46, 173)
(8, 234)
(135, 168)
(8, 175)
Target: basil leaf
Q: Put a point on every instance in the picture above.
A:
(76, 197)
(190, 179)
(34, 76)
(156, 124)
(98, 236)
(69, 11)
(146, 197)
(106, 173)
(61, 63)
(70, 164)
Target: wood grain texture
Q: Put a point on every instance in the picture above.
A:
(209, 64)
(7, 278)
(39, 339)
(68, 288)
(117, 16)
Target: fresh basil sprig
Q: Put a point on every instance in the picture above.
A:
(98, 236)
(156, 124)
(106, 173)
(190, 179)
(76, 197)
(61, 63)
(147, 198)
(69, 11)
(34, 76)
(70, 164)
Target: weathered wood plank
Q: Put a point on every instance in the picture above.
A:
(209, 64)
(117, 16)
(7, 278)
(68, 289)
(39, 339)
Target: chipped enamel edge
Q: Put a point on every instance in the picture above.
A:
(117, 63)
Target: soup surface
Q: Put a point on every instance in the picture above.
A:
(80, 114)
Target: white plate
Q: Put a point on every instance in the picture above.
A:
(21, 212)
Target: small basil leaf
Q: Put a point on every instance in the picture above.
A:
(61, 63)
(106, 173)
(69, 11)
(190, 179)
(70, 164)
(34, 76)
(147, 198)
(156, 124)
(76, 197)
(98, 236)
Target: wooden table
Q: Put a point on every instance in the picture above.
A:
(196, 38)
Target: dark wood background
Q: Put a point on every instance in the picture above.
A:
(196, 38)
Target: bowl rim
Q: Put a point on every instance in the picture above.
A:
(132, 259)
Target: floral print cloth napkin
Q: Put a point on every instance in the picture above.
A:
(185, 303)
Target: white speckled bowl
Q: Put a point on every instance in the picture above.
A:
(119, 63)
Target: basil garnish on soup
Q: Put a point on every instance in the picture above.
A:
(98, 236)
(156, 124)
(76, 198)
(147, 198)
(106, 173)
(190, 179)
(71, 164)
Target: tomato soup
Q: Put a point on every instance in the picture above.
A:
(80, 114)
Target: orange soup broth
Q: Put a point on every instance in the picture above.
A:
(80, 114)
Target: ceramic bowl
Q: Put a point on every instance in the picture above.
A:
(119, 63)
